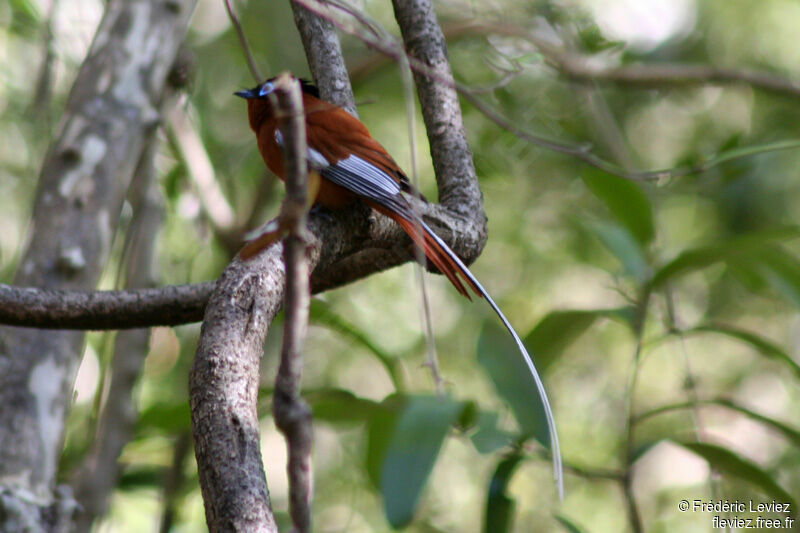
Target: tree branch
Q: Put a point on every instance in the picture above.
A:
(223, 390)
(452, 158)
(111, 111)
(324, 55)
(174, 480)
(91, 310)
(345, 233)
(224, 377)
(292, 414)
(98, 474)
(598, 69)
(644, 76)
(251, 64)
(588, 69)
(189, 149)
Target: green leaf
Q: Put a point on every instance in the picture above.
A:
(165, 417)
(760, 344)
(771, 266)
(626, 201)
(731, 464)
(748, 274)
(751, 150)
(379, 434)
(173, 181)
(701, 257)
(781, 271)
(340, 406)
(25, 18)
(405, 440)
(568, 524)
(692, 260)
(321, 314)
(622, 244)
(489, 438)
(139, 477)
(499, 507)
(469, 417)
(593, 41)
(555, 332)
(787, 431)
(559, 329)
(498, 354)
(641, 449)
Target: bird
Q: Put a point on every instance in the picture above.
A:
(354, 167)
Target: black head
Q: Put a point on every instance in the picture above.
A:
(308, 87)
(263, 90)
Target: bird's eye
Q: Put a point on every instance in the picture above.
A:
(266, 89)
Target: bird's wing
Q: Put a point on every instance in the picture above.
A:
(368, 182)
(365, 179)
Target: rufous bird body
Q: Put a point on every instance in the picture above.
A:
(355, 167)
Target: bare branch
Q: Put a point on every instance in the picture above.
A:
(344, 233)
(251, 64)
(89, 310)
(292, 414)
(98, 474)
(325, 59)
(223, 390)
(193, 155)
(40, 105)
(432, 357)
(585, 68)
(111, 111)
(452, 158)
(224, 377)
(173, 481)
(582, 68)
(223, 382)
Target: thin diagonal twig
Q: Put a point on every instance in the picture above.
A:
(251, 64)
(292, 414)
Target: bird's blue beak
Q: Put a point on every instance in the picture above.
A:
(250, 93)
(258, 92)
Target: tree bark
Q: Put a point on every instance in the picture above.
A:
(452, 158)
(111, 111)
(94, 482)
(292, 415)
(223, 391)
(325, 59)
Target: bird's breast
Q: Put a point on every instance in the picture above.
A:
(270, 150)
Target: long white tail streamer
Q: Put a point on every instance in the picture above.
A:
(555, 450)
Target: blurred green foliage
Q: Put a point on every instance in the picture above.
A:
(696, 279)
